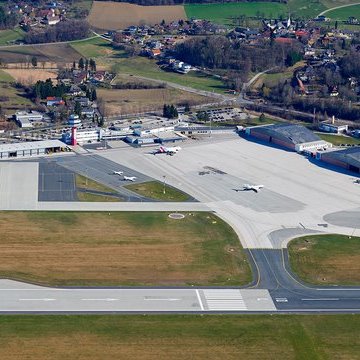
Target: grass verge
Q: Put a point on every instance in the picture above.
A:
(130, 248)
(92, 48)
(230, 337)
(84, 183)
(89, 197)
(157, 191)
(326, 259)
(339, 139)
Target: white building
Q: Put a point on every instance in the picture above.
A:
(31, 149)
(74, 120)
(25, 118)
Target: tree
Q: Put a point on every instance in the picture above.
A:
(336, 25)
(262, 117)
(92, 65)
(86, 64)
(34, 61)
(93, 95)
(77, 108)
(81, 64)
(203, 116)
(74, 65)
(187, 108)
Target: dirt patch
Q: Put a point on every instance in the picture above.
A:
(113, 15)
(31, 76)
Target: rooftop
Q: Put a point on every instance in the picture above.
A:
(350, 156)
(297, 134)
(31, 145)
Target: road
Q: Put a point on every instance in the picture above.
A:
(337, 7)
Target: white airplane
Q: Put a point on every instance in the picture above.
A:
(118, 172)
(129, 178)
(247, 187)
(168, 150)
(357, 181)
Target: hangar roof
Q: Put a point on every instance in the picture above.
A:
(350, 156)
(297, 134)
(33, 145)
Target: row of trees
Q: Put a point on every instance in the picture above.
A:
(63, 31)
(85, 64)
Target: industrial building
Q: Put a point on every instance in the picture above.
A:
(348, 158)
(25, 118)
(31, 149)
(290, 136)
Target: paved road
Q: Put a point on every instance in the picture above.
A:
(337, 7)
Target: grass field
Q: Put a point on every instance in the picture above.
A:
(10, 35)
(326, 259)
(148, 68)
(85, 183)
(113, 15)
(31, 75)
(344, 13)
(230, 337)
(130, 101)
(224, 13)
(338, 139)
(155, 190)
(92, 48)
(68, 248)
(11, 98)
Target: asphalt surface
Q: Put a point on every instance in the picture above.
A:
(102, 171)
(56, 183)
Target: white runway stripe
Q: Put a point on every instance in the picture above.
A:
(218, 300)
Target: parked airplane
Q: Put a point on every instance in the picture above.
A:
(255, 188)
(357, 181)
(129, 178)
(118, 172)
(168, 150)
(248, 187)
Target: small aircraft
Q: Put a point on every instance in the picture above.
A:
(129, 178)
(118, 172)
(167, 150)
(248, 187)
(357, 181)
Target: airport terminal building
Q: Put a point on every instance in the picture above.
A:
(346, 158)
(290, 136)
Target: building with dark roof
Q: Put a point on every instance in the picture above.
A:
(290, 136)
(348, 158)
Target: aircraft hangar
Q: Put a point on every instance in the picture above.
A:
(290, 136)
(346, 158)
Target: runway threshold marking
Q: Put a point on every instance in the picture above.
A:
(161, 299)
(199, 299)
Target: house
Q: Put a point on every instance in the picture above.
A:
(84, 101)
(87, 112)
(155, 52)
(52, 20)
(54, 101)
(75, 91)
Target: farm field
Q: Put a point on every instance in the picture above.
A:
(95, 249)
(92, 48)
(131, 101)
(344, 13)
(229, 337)
(11, 99)
(31, 76)
(114, 15)
(141, 66)
(56, 53)
(326, 259)
(224, 13)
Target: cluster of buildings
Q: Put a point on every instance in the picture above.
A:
(38, 14)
